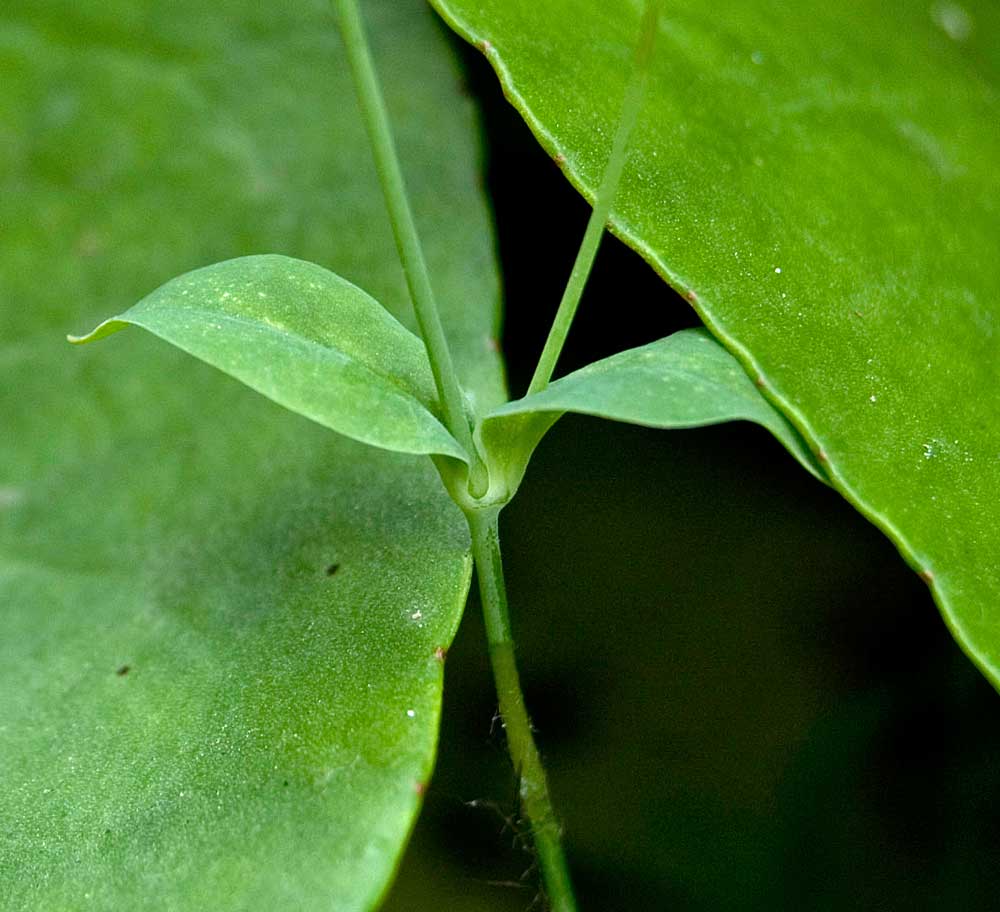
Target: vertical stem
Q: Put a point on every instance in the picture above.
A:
(411, 255)
(602, 203)
(534, 790)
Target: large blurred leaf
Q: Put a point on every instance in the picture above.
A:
(685, 380)
(218, 621)
(307, 339)
(821, 180)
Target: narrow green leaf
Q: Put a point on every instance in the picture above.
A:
(307, 339)
(215, 616)
(821, 180)
(683, 381)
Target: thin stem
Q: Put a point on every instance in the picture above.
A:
(602, 203)
(534, 790)
(411, 255)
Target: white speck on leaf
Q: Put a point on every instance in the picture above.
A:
(10, 496)
(411, 713)
(953, 20)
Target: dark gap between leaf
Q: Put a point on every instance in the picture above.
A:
(540, 221)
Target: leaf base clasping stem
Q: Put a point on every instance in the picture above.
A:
(483, 518)
(533, 791)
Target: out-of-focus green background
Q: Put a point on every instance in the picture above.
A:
(745, 699)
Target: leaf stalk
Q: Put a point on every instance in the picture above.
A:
(390, 174)
(534, 791)
(602, 202)
(483, 521)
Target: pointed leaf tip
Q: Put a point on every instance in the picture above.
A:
(101, 331)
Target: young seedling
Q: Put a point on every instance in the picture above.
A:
(320, 346)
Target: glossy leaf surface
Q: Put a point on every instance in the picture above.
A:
(685, 380)
(305, 338)
(218, 621)
(821, 181)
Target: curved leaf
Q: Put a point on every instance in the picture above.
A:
(821, 182)
(305, 338)
(683, 381)
(215, 616)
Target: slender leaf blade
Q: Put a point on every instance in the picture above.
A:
(821, 182)
(307, 339)
(685, 380)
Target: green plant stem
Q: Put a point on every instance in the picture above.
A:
(602, 203)
(404, 229)
(534, 792)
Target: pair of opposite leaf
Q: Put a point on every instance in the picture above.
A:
(320, 346)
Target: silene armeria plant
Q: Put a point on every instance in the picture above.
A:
(323, 348)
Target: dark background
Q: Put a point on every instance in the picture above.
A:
(744, 697)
